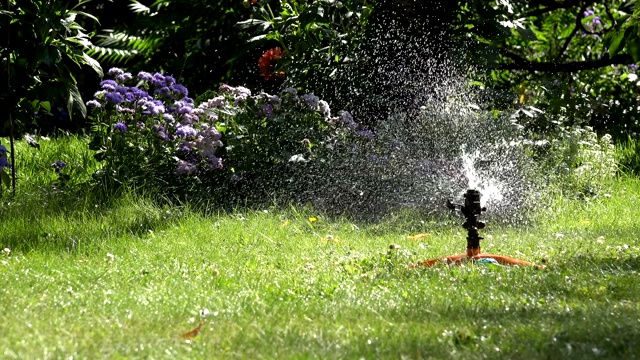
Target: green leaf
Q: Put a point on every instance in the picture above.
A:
(46, 105)
(69, 20)
(75, 100)
(527, 34)
(301, 46)
(95, 65)
(250, 23)
(633, 46)
(87, 15)
(617, 43)
(257, 38)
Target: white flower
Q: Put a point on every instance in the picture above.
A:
(324, 109)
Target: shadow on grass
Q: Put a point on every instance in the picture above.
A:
(72, 220)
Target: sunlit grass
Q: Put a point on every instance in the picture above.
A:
(126, 278)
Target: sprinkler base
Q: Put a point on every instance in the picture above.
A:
(472, 256)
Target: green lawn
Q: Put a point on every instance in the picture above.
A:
(125, 279)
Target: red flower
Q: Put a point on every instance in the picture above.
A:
(267, 63)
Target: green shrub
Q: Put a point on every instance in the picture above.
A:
(149, 133)
(573, 158)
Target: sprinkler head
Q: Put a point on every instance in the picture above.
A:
(471, 211)
(472, 205)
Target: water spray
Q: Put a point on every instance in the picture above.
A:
(471, 209)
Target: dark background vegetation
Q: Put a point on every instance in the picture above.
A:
(558, 63)
(554, 55)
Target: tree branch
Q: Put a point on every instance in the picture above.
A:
(578, 24)
(520, 63)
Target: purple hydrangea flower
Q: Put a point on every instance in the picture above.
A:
(291, 91)
(163, 136)
(122, 89)
(347, 119)
(267, 110)
(144, 76)
(180, 89)
(365, 133)
(185, 168)
(139, 93)
(188, 119)
(633, 66)
(94, 103)
(58, 165)
(163, 90)
(169, 80)
(181, 107)
(114, 71)
(240, 92)
(109, 85)
(216, 102)
(311, 101)
(124, 77)
(215, 162)
(153, 107)
(129, 97)
(120, 126)
(186, 131)
(168, 117)
(114, 98)
(158, 80)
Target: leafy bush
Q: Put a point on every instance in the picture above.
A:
(149, 133)
(573, 158)
(194, 40)
(43, 43)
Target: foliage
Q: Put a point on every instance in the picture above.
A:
(193, 40)
(267, 136)
(45, 46)
(153, 135)
(574, 159)
(560, 57)
(317, 36)
(148, 132)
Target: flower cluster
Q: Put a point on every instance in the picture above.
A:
(147, 127)
(267, 64)
(595, 23)
(263, 129)
(157, 107)
(58, 166)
